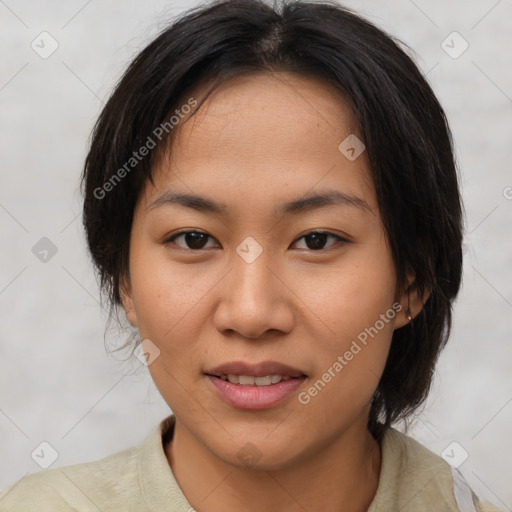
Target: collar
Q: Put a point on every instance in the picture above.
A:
(158, 486)
(411, 478)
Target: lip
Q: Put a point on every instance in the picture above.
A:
(255, 397)
(255, 370)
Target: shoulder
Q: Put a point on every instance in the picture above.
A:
(86, 486)
(415, 479)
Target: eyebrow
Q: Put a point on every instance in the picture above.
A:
(297, 206)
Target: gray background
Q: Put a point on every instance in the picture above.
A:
(57, 384)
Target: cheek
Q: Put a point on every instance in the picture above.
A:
(165, 293)
(355, 300)
(170, 313)
(350, 295)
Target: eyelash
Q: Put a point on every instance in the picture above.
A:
(340, 239)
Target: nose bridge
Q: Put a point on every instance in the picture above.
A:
(252, 280)
(251, 301)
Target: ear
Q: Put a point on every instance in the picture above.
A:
(410, 301)
(125, 291)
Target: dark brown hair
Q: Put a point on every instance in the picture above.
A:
(404, 128)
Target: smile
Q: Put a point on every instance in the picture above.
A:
(253, 393)
(249, 380)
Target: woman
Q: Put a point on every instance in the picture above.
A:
(271, 197)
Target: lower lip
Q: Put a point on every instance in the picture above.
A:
(255, 397)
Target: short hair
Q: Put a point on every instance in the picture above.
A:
(404, 128)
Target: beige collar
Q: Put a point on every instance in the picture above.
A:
(412, 478)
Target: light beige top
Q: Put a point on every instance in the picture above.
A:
(412, 479)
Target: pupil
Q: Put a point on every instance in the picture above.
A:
(318, 240)
(194, 240)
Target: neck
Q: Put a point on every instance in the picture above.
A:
(344, 472)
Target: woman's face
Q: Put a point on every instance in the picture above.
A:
(273, 280)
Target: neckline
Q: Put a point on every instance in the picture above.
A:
(159, 487)
(402, 458)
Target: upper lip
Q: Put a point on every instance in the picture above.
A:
(254, 370)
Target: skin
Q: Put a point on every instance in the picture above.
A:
(261, 140)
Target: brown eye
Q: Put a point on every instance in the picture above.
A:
(315, 240)
(194, 240)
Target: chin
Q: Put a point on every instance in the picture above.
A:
(260, 454)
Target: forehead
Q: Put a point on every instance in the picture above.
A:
(266, 133)
(280, 108)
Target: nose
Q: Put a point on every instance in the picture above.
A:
(254, 299)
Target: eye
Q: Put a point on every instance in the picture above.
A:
(315, 240)
(194, 239)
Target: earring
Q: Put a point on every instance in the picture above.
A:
(408, 311)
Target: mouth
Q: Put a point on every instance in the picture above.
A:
(265, 373)
(250, 380)
(260, 386)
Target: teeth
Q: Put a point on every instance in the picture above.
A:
(263, 381)
(249, 380)
(245, 380)
(233, 379)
